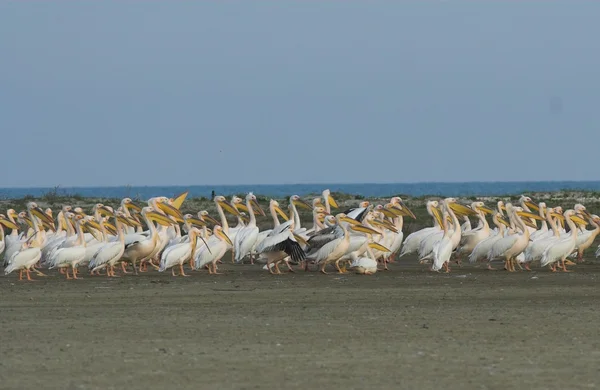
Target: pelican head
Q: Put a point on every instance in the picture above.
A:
(299, 202)
(252, 199)
(222, 202)
(329, 199)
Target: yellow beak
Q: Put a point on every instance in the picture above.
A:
(350, 220)
(225, 237)
(300, 240)
(332, 202)
(281, 213)
(303, 204)
(135, 207)
(532, 206)
(407, 211)
(178, 200)
(462, 210)
(8, 224)
(530, 215)
(227, 207)
(257, 209)
(159, 218)
(378, 247)
(486, 210)
(437, 215)
(364, 229)
(172, 211)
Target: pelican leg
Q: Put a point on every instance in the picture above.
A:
(489, 267)
(61, 271)
(156, 267)
(67, 274)
(191, 263)
(518, 264)
(215, 272)
(20, 274)
(322, 268)
(564, 266)
(232, 257)
(289, 266)
(527, 267)
(337, 266)
(123, 268)
(181, 273)
(28, 276)
(276, 266)
(75, 273)
(38, 272)
(447, 267)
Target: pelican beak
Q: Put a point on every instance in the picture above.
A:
(389, 212)
(586, 214)
(195, 221)
(226, 206)
(528, 222)
(159, 218)
(350, 221)
(172, 211)
(364, 229)
(532, 206)
(281, 213)
(93, 224)
(530, 215)
(332, 202)
(38, 212)
(378, 247)
(258, 210)
(486, 210)
(462, 210)
(210, 219)
(304, 204)
(300, 240)
(125, 221)
(503, 222)
(135, 207)
(407, 211)
(241, 207)
(578, 220)
(437, 215)
(559, 216)
(110, 228)
(222, 234)
(105, 211)
(8, 224)
(92, 231)
(177, 201)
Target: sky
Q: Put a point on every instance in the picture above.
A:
(249, 92)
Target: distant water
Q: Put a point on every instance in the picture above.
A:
(278, 191)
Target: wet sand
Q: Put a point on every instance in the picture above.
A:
(246, 329)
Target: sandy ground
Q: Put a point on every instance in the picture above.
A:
(246, 329)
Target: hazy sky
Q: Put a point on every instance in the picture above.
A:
(242, 92)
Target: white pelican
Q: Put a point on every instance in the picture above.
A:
(71, 256)
(29, 252)
(586, 239)
(428, 243)
(280, 244)
(559, 250)
(144, 246)
(334, 250)
(537, 246)
(482, 249)
(111, 252)
(413, 241)
(442, 249)
(510, 246)
(178, 254)
(470, 238)
(329, 201)
(211, 253)
(247, 236)
(4, 222)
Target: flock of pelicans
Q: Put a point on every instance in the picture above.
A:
(362, 238)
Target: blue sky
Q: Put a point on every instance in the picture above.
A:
(241, 92)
